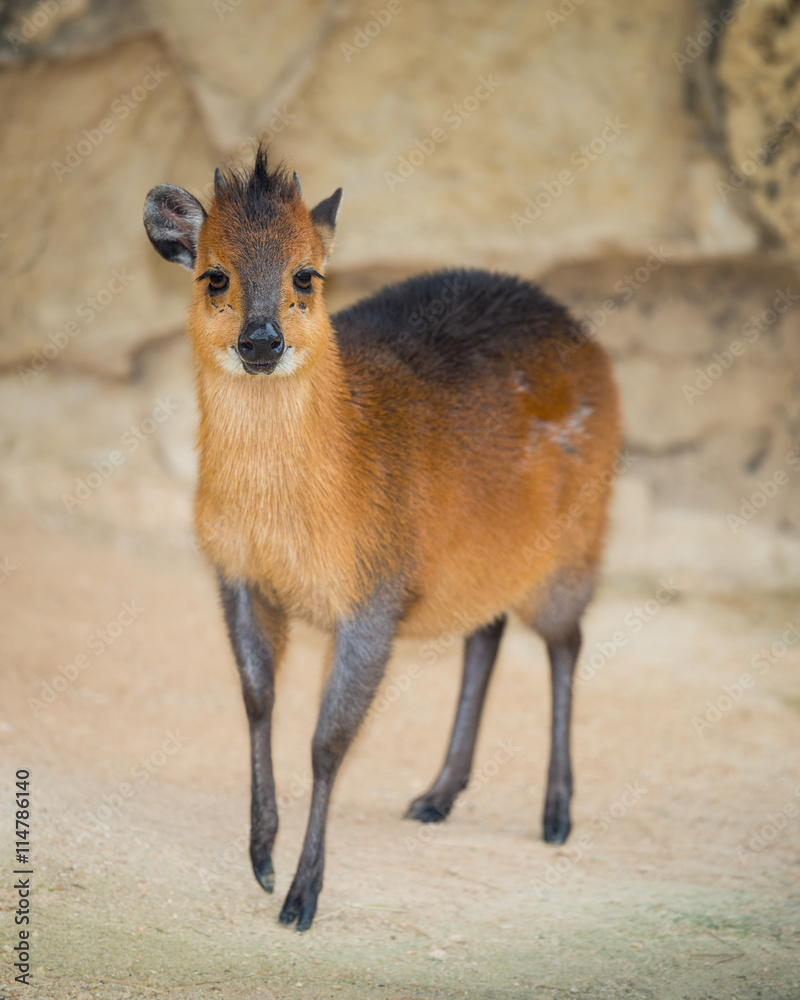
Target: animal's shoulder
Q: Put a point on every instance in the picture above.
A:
(450, 321)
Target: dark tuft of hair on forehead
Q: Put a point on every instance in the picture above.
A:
(256, 193)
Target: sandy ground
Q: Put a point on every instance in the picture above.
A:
(140, 789)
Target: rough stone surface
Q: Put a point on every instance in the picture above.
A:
(759, 77)
(636, 230)
(438, 167)
(81, 143)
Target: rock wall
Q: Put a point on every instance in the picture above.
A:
(639, 159)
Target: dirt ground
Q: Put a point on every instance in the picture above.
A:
(680, 879)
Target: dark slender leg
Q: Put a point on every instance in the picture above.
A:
(480, 652)
(563, 655)
(257, 634)
(360, 655)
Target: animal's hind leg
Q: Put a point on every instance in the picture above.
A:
(563, 656)
(480, 652)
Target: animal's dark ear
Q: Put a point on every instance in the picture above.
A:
(173, 219)
(323, 216)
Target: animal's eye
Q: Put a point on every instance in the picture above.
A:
(217, 281)
(302, 280)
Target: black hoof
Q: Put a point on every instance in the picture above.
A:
(300, 905)
(556, 823)
(427, 811)
(265, 873)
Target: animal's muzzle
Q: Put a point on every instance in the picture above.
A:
(261, 346)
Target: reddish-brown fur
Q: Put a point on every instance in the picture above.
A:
(473, 532)
(337, 476)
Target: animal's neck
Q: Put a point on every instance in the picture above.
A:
(277, 435)
(285, 487)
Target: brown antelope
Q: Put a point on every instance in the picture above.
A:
(424, 461)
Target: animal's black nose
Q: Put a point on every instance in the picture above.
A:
(261, 342)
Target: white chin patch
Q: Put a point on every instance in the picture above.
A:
(291, 361)
(230, 361)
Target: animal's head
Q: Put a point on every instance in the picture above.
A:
(258, 258)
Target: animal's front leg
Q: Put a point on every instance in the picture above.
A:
(257, 632)
(361, 652)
